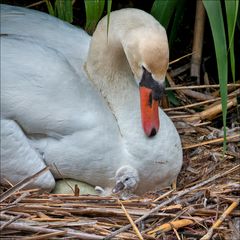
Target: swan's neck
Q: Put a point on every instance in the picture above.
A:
(108, 68)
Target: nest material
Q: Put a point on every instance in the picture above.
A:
(202, 205)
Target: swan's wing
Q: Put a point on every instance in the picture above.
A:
(42, 91)
(73, 42)
(19, 159)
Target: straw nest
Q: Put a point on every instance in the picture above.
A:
(203, 204)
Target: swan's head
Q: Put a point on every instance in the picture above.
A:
(127, 180)
(140, 38)
(147, 52)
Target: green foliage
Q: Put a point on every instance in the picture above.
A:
(231, 13)
(62, 9)
(215, 14)
(94, 11)
(166, 10)
(50, 8)
(172, 98)
(109, 7)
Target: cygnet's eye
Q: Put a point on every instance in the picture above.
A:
(126, 179)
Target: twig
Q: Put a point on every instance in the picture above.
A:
(230, 96)
(13, 204)
(26, 227)
(10, 221)
(131, 221)
(218, 140)
(171, 225)
(191, 105)
(35, 4)
(46, 236)
(163, 196)
(176, 60)
(64, 179)
(213, 111)
(184, 192)
(220, 220)
(24, 194)
(197, 95)
(180, 70)
(175, 231)
(22, 184)
(200, 87)
(180, 116)
(198, 41)
(104, 211)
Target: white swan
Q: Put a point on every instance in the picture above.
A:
(89, 119)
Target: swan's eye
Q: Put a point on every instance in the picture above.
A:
(126, 179)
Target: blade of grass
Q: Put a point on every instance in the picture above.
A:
(163, 10)
(231, 13)
(178, 16)
(94, 10)
(109, 7)
(214, 12)
(64, 10)
(68, 11)
(50, 7)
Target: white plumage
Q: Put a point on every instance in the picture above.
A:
(78, 107)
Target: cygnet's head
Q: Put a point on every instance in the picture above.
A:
(127, 180)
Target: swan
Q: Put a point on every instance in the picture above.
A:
(89, 105)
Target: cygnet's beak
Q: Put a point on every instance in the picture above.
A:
(150, 94)
(118, 187)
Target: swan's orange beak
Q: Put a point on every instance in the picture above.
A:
(149, 111)
(151, 92)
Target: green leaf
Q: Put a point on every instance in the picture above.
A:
(163, 10)
(215, 15)
(172, 98)
(109, 7)
(231, 13)
(178, 16)
(94, 11)
(50, 7)
(64, 10)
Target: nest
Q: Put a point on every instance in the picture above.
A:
(203, 204)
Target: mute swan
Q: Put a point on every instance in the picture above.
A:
(74, 101)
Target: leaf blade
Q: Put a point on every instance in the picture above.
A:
(215, 15)
(94, 10)
(163, 11)
(231, 13)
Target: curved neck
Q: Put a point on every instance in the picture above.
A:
(109, 70)
(107, 64)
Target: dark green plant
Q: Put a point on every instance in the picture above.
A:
(94, 11)
(62, 9)
(166, 10)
